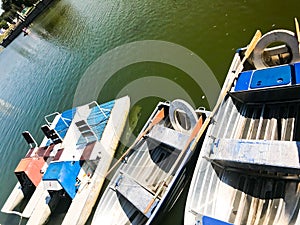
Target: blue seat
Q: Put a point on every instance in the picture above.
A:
(270, 77)
(297, 73)
(211, 221)
(243, 81)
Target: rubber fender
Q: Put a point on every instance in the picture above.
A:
(285, 36)
(181, 105)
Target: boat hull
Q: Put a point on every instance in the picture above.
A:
(93, 158)
(146, 184)
(248, 168)
(83, 203)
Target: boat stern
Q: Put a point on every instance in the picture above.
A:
(29, 171)
(62, 175)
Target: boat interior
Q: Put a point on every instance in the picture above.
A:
(150, 162)
(256, 183)
(146, 172)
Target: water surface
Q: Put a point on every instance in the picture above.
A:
(39, 73)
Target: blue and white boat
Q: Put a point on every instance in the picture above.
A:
(77, 169)
(30, 169)
(248, 169)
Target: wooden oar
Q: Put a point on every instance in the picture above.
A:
(297, 31)
(164, 182)
(223, 93)
(226, 89)
(157, 118)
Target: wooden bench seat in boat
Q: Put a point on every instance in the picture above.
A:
(263, 155)
(169, 136)
(135, 193)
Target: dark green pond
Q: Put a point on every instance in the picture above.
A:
(191, 48)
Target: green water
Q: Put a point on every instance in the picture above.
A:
(39, 73)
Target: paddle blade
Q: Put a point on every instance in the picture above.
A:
(196, 128)
(194, 132)
(252, 44)
(158, 117)
(297, 30)
(149, 205)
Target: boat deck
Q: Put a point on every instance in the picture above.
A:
(80, 142)
(144, 178)
(248, 169)
(145, 170)
(280, 121)
(249, 196)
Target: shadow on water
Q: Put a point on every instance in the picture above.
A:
(172, 75)
(15, 220)
(54, 22)
(71, 34)
(60, 211)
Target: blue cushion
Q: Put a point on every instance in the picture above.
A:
(297, 73)
(273, 76)
(243, 81)
(211, 221)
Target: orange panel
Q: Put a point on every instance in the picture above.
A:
(31, 167)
